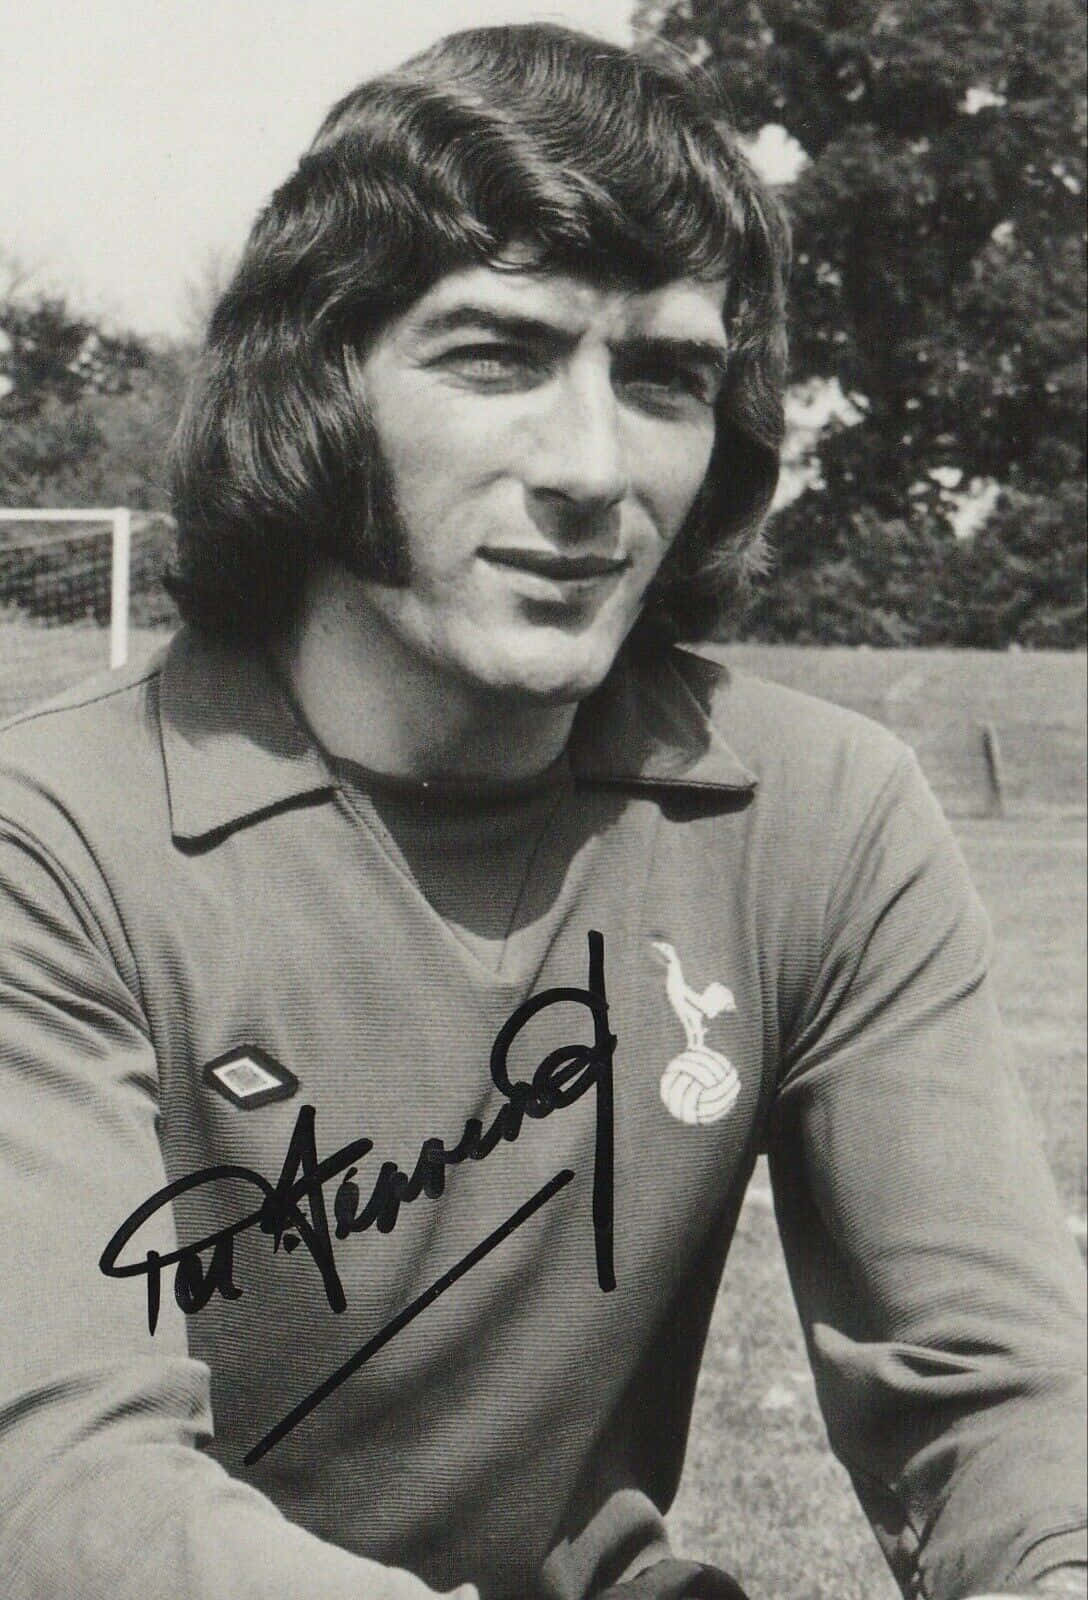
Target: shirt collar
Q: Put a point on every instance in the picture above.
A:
(650, 725)
(232, 746)
(234, 750)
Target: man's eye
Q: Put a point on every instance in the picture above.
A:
(671, 386)
(491, 363)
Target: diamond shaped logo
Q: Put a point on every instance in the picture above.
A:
(250, 1078)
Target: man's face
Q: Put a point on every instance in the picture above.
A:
(546, 439)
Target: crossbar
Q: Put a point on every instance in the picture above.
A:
(36, 514)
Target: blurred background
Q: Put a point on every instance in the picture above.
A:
(928, 534)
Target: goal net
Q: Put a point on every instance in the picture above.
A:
(79, 591)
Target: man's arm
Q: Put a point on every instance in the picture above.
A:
(940, 1291)
(104, 1494)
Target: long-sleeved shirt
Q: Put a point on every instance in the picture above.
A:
(460, 1354)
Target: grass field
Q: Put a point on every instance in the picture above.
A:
(37, 662)
(1034, 703)
(761, 1494)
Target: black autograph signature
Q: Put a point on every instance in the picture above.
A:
(562, 1077)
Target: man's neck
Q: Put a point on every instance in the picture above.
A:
(396, 716)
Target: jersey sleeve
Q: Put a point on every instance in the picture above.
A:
(939, 1288)
(104, 1493)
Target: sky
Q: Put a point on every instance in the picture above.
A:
(139, 137)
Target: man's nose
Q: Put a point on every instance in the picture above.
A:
(580, 461)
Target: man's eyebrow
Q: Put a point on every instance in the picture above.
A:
(686, 352)
(511, 325)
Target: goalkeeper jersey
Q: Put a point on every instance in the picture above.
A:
(371, 1153)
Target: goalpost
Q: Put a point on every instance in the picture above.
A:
(80, 589)
(120, 520)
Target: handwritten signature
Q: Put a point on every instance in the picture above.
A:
(561, 1078)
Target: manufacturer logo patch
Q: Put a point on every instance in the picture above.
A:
(700, 1085)
(250, 1078)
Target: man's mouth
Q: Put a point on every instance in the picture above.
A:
(551, 564)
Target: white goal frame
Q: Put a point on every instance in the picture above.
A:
(120, 520)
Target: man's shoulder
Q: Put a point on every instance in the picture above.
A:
(97, 707)
(98, 738)
(840, 811)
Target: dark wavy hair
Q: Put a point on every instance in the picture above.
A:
(609, 166)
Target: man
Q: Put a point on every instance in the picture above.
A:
(404, 972)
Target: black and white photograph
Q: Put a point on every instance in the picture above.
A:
(543, 740)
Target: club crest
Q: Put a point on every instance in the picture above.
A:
(700, 1085)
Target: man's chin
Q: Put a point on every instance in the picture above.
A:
(550, 677)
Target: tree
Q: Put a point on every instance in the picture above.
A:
(86, 417)
(48, 353)
(86, 414)
(1022, 578)
(939, 255)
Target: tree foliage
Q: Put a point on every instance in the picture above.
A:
(938, 273)
(86, 416)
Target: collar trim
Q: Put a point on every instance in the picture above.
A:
(234, 749)
(653, 726)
